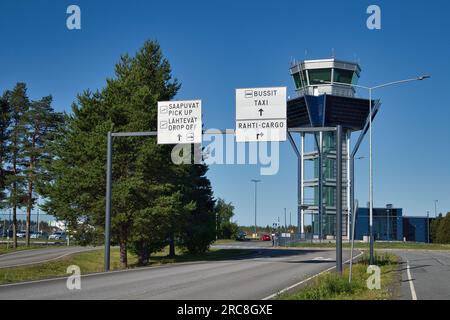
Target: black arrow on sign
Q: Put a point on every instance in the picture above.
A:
(258, 135)
(261, 111)
(179, 137)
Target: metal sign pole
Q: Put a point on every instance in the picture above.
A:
(354, 210)
(154, 133)
(108, 201)
(109, 154)
(339, 199)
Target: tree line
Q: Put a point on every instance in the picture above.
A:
(26, 127)
(440, 229)
(154, 202)
(62, 157)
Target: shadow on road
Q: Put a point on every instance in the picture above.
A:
(239, 255)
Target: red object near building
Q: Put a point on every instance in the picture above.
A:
(264, 237)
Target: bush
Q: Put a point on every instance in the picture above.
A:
(443, 230)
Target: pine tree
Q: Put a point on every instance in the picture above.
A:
(19, 105)
(153, 200)
(41, 124)
(5, 120)
(141, 168)
(198, 227)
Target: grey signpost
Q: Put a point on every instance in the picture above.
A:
(193, 138)
(339, 199)
(108, 200)
(256, 182)
(109, 154)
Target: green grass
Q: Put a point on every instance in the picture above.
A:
(92, 261)
(225, 241)
(331, 286)
(378, 245)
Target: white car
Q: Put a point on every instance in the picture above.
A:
(37, 235)
(58, 235)
(21, 234)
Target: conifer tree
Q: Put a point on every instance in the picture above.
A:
(5, 120)
(19, 104)
(41, 124)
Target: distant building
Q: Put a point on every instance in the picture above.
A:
(390, 225)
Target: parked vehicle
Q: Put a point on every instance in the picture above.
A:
(7, 234)
(264, 237)
(58, 235)
(21, 234)
(242, 236)
(38, 235)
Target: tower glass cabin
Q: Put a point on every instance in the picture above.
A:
(325, 98)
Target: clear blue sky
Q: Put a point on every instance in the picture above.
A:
(217, 46)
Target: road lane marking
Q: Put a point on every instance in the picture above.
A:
(306, 280)
(112, 272)
(46, 260)
(410, 280)
(322, 259)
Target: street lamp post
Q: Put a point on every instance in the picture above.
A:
(428, 225)
(255, 181)
(290, 219)
(435, 208)
(370, 89)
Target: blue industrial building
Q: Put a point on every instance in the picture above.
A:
(389, 224)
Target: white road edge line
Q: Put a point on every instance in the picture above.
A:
(93, 274)
(410, 280)
(46, 260)
(306, 280)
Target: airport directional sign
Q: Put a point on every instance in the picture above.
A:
(261, 114)
(179, 122)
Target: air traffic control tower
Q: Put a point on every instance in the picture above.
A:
(326, 98)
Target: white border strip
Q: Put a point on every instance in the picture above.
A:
(46, 260)
(306, 280)
(411, 283)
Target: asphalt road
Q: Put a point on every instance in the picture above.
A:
(425, 275)
(35, 256)
(256, 276)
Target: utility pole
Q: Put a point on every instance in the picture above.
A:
(4, 226)
(339, 199)
(290, 219)
(370, 89)
(285, 221)
(428, 224)
(108, 201)
(37, 220)
(255, 181)
(435, 208)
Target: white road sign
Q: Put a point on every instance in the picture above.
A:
(179, 122)
(261, 114)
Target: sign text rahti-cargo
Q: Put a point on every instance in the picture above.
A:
(261, 114)
(179, 122)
